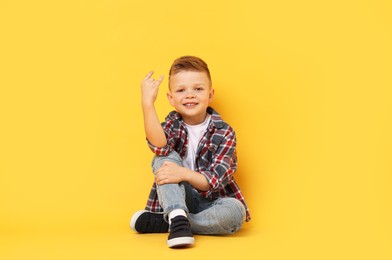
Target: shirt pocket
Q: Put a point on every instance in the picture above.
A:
(210, 153)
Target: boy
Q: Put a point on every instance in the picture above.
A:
(195, 158)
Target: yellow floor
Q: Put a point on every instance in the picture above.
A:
(251, 243)
(116, 245)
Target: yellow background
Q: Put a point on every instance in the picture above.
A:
(306, 85)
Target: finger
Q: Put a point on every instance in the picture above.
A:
(160, 173)
(160, 79)
(148, 75)
(160, 181)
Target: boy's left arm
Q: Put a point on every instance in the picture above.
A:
(217, 176)
(170, 172)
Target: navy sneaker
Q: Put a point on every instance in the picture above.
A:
(180, 233)
(144, 221)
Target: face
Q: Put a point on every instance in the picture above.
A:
(190, 94)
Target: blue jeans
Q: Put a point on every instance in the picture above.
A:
(217, 217)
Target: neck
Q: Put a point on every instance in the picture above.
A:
(195, 120)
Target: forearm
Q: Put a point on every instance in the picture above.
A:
(152, 127)
(196, 179)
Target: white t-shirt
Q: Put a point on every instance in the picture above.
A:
(195, 133)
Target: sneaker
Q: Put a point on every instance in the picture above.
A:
(180, 233)
(144, 221)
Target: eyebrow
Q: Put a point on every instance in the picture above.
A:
(195, 85)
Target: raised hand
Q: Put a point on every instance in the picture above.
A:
(150, 88)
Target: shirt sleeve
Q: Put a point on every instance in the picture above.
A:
(223, 165)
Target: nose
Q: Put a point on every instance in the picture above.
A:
(190, 94)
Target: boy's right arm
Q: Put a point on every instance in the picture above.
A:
(152, 126)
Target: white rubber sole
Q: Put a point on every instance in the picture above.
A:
(181, 241)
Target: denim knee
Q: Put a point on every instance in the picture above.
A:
(234, 214)
(157, 161)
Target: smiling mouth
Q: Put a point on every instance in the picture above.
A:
(191, 104)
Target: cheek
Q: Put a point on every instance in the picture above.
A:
(204, 98)
(176, 101)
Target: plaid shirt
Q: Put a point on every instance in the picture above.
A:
(216, 157)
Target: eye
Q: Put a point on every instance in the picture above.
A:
(180, 90)
(199, 89)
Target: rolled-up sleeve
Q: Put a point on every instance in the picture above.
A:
(160, 151)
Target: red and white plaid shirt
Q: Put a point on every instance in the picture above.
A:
(216, 157)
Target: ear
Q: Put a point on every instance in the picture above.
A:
(211, 95)
(170, 98)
